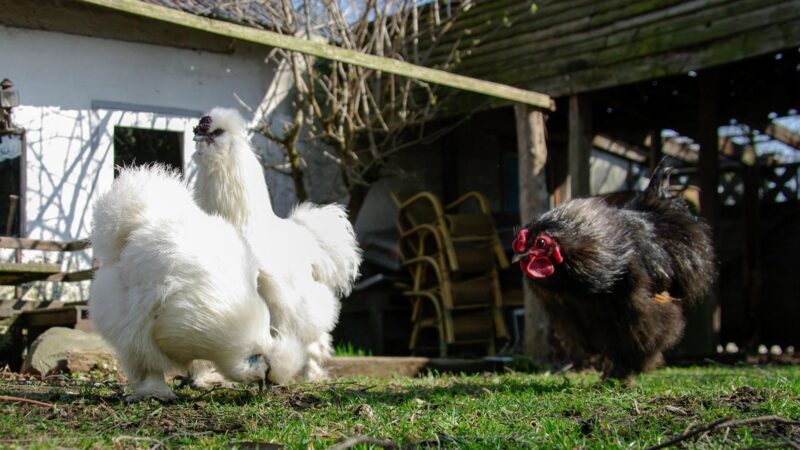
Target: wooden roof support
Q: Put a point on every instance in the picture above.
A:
(702, 330)
(533, 200)
(619, 148)
(679, 150)
(322, 50)
(579, 145)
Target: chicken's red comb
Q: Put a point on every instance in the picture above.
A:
(203, 126)
(521, 241)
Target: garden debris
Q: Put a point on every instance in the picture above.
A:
(726, 423)
(12, 399)
(358, 440)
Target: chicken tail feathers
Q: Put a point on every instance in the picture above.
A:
(659, 182)
(336, 265)
(138, 196)
(684, 236)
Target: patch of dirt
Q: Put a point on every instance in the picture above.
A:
(743, 398)
(301, 400)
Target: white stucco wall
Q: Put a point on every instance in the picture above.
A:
(70, 143)
(75, 89)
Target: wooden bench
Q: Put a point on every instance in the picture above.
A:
(28, 319)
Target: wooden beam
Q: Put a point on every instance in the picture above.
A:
(679, 150)
(579, 146)
(751, 261)
(619, 148)
(781, 133)
(44, 245)
(702, 327)
(13, 307)
(533, 200)
(656, 148)
(321, 50)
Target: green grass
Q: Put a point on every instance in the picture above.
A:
(347, 349)
(488, 411)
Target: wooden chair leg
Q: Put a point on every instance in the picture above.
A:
(442, 343)
(497, 306)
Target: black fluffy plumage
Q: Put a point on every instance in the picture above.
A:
(614, 280)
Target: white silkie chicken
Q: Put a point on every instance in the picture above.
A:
(175, 285)
(311, 258)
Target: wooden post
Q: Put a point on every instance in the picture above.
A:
(751, 263)
(702, 328)
(579, 146)
(656, 153)
(533, 200)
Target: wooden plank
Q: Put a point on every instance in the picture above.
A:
(726, 40)
(583, 47)
(66, 316)
(735, 48)
(783, 134)
(69, 277)
(18, 273)
(679, 150)
(10, 308)
(487, 25)
(325, 51)
(33, 268)
(44, 245)
(579, 146)
(619, 148)
(532, 151)
(584, 32)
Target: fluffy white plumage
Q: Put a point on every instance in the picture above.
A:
(306, 260)
(176, 285)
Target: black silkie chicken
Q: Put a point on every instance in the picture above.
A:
(614, 280)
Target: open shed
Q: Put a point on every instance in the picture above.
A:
(714, 85)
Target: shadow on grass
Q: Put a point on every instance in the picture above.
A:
(299, 396)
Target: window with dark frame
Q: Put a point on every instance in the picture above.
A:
(141, 146)
(10, 184)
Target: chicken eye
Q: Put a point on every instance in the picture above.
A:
(541, 243)
(218, 132)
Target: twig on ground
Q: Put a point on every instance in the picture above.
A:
(8, 398)
(162, 442)
(725, 423)
(216, 389)
(118, 439)
(353, 441)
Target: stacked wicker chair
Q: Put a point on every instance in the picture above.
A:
(453, 254)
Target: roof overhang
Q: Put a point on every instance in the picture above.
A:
(75, 17)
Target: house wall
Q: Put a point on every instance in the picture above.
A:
(75, 89)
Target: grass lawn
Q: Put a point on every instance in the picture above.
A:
(486, 411)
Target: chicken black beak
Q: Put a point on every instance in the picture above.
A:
(199, 137)
(519, 257)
